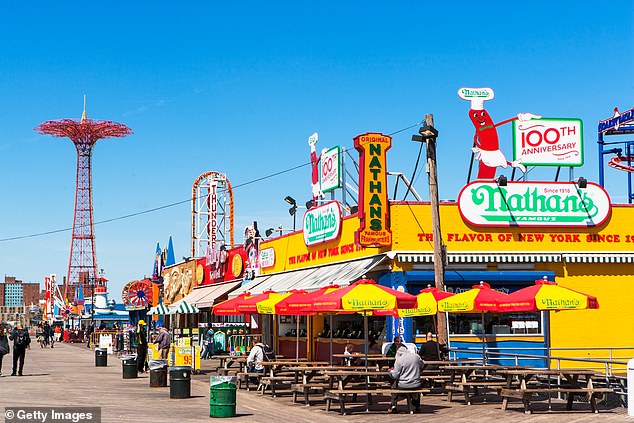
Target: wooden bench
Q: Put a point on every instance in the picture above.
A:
(526, 394)
(306, 389)
(245, 377)
(341, 394)
(274, 382)
(471, 386)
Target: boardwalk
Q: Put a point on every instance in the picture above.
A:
(66, 376)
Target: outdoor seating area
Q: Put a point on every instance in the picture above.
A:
(352, 389)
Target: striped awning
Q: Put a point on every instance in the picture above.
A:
(477, 257)
(183, 307)
(160, 310)
(599, 257)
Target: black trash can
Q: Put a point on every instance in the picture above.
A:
(180, 382)
(158, 373)
(101, 357)
(130, 370)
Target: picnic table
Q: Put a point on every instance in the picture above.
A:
(278, 373)
(376, 382)
(470, 378)
(576, 382)
(227, 362)
(378, 359)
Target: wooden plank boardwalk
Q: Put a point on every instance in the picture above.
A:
(67, 376)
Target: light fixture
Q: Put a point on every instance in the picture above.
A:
(269, 231)
(290, 200)
(354, 209)
(501, 181)
(292, 210)
(427, 133)
(310, 204)
(582, 182)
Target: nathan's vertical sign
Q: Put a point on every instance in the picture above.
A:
(374, 210)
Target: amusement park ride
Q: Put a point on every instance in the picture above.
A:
(618, 124)
(82, 266)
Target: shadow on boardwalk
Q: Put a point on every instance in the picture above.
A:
(67, 376)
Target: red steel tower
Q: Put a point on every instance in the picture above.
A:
(82, 266)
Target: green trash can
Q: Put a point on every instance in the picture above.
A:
(101, 357)
(222, 396)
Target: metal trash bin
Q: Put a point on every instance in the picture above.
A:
(158, 373)
(101, 357)
(130, 370)
(180, 382)
(222, 396)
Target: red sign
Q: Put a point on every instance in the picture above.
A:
(374, 210)
(222, 265)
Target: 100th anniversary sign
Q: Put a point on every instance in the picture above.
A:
(534, 204)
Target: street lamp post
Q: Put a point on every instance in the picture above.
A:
(428, 135)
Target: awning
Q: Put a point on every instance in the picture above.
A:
(206, 296)
(310, 279)
(479, 257)
(599, 257)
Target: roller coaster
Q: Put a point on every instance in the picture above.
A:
(621, 123)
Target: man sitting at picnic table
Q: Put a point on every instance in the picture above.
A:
(406, 375)
(391, 351)
(255, 359)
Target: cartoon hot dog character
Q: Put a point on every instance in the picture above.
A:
(485, 140)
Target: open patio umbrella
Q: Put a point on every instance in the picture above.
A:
(479, 299)
(250, 305)
(230, 307)
(426, 303)
(297, 303)
(270, 306)
(364, 296)
(546, 295)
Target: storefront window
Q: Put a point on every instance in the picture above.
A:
(350, 326)
(287, 326)
(495, 324)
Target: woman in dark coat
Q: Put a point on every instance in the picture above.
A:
(4, 345)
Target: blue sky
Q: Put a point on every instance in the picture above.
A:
(207, 86)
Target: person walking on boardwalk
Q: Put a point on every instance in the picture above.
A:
(4, 345)
(89, 333)
(163, 341)
(141, 349)
(21, 341)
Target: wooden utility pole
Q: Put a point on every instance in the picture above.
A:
(439, 246)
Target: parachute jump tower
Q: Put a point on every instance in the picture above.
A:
(82, 265)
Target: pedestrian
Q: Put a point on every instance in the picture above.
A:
(57, 330)
(89, 333)
(39, 335)
(391, 352)
(46, 329)
(406, 375)
(21, 341)
(208, 345)
(4, 345)
(141, 349)
(51, 336)
(163, 340)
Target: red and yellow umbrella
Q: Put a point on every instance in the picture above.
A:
(230, 307)
(426, 303)
(298, 302)
(480, 298)
(250, 305)
(363, 296)
(546, 295)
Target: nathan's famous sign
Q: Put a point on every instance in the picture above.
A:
(534, 204)
(322, 224)
(374, 210)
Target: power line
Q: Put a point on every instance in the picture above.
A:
(177, 203)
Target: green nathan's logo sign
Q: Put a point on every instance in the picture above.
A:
(555, 204)
(322, 223)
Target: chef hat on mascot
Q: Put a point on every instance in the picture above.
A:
(477, 96)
